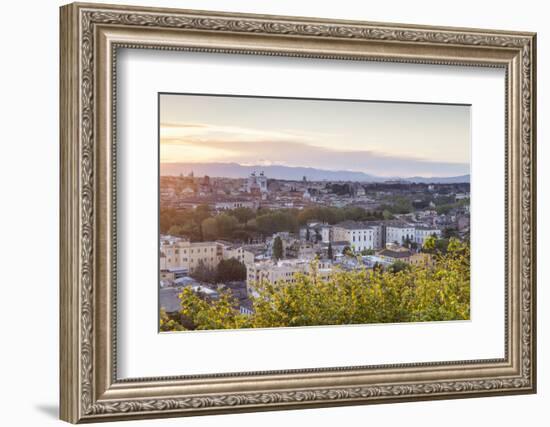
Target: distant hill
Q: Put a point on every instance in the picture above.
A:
(440, 180)
(235, 170)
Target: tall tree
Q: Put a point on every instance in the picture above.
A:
(277, 248)
(330, 253)
(203, 273)
(230, 270)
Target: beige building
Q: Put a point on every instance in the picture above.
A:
(230, 250)
(181, 253)
(178, 253)
(396, 253)
(421, 259)
(283, 271)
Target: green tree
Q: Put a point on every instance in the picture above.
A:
(449, 232)
(203, 273)
(211, 314)
(243, 215)
(209, 228)
(168, 323)
(190, 230)
(401, 205)
(201, 212)
(277, 248)
(386, 214)
(226, 225)
(274, 222)
(398, 266)
(347, 251)
(230, 270)
(429, 244)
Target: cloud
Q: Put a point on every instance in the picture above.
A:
(173, 133)
(183, 126)
(251, 146)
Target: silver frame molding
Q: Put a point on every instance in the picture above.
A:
(90, 37)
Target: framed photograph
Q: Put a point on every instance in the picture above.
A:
(266, 212)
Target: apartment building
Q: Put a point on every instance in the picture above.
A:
(422, 233)
(181, 253)
(359, 235)
(399, 233)
(230, 250)
(284, 271)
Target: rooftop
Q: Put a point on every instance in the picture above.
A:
(355, 225)
(394, 253)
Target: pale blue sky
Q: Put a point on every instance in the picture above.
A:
(386, 139)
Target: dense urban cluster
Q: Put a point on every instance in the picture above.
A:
(236, 246)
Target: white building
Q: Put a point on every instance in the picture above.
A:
(378, 235)
(400, 233)
(326, 233)
(422, 233)
(256, 183)
(359, 235)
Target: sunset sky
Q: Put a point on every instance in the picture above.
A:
(384, 139)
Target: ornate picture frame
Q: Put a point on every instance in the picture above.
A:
(90, 37)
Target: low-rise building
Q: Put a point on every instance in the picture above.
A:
(359, 235)
(395, 254)
(182, 253)
(284, 271)
(300, 249)
(224, 205)
(421, 233)
(399, 233)
(421, 259)
(238, 252)
(326, 233)
(173, 273)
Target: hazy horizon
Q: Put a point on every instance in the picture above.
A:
(376, 138)
(260, 168)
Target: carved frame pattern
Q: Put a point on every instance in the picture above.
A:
(81, 22)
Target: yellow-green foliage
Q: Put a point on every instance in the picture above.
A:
(419, 293)
(166, 324)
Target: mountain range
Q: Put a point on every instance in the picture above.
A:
(293, 173)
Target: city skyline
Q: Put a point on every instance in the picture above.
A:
(377, 138)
